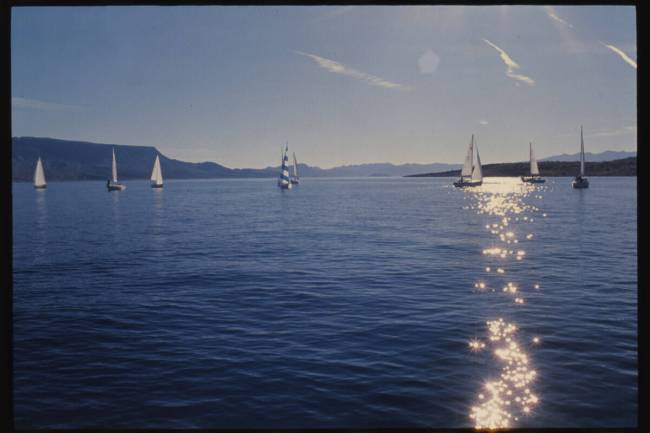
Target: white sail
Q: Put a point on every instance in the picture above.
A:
(156, 173)
(295, 166)
(467, 166)
(114, 172)
(477, 172)
(582, 154)
(39, 175)
(534, 169)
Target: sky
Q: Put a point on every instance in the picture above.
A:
(342, 84)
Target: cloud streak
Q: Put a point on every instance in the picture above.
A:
(614, 131)
(511, 66)
(35, 104)
(338, 68)
(620, 52)
(550, 11)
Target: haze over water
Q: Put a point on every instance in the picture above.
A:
(385, 302)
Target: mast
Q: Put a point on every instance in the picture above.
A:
(39, 175)
(114, 172)
(582, 154)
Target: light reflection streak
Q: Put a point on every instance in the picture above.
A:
(510, 394)
(504, 399)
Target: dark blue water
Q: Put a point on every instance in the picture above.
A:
(340, 303)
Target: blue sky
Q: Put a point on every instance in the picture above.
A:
(343, 84)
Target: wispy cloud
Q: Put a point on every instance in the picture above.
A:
(550, 11)
(511, 66)
(335, 12)
(620, 52)
(608, 132)
(604, 132)
(338, 68)
(36, 104)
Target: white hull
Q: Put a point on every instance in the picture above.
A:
(115, 186)
(533, 179)
(467, 183)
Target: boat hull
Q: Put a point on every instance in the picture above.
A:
(295, 182)
(116, 187)
(464, 183)
(532, 179)
(40, 186)
(284, 185)
(155, 185)
(580, 183)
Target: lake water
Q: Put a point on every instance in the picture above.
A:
(341, 303)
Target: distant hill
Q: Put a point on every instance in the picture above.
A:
(79, 160)
(608, 155)
(619, 167)
(379, 170)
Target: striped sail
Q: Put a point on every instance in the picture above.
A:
(284, 173)
(477, 172)
(39, 175)
(156, 173)
(534, 169)
(467, 165)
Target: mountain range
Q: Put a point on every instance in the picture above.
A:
(617, 167)
(79, 160)
(608, 155)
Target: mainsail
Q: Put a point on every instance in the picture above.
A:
(284, 174)
(295, 166)
(477, 172)
(534, 169)
(39, 175)
(156, 173)
(467, 166)
(582, 154)
(114, 173)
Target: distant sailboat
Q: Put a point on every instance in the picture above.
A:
(295, 179)
(112, 184)
(471, 174)
(156, 174)
(580, 180)
(39, 175)
(534, 170)
(284, 182)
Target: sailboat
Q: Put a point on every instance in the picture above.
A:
(534, 170)
(471, 174)
(284, 182)
(580, 180)
(294, 178)
(39, 175)
(112, 184)
(156, 174)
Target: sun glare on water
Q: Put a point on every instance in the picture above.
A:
(505, 398)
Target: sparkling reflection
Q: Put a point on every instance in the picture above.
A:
(505, 204)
